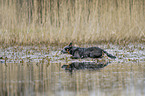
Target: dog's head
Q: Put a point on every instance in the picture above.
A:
(67, 49)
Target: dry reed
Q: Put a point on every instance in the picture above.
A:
(62, 21)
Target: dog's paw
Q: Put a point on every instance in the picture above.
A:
(73, 57)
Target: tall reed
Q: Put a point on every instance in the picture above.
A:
(62, 21)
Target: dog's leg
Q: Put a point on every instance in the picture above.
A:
(76, 55)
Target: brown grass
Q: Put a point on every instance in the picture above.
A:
(62, 21)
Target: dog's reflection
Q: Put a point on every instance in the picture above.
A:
(85, 65)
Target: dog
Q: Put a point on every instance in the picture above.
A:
(78, 52)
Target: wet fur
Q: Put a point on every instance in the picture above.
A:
(78, 52)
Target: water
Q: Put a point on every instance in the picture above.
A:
(37, 71)
(50, 79)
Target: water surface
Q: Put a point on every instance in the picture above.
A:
(50, 79)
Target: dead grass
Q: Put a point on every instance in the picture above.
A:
(62, 21)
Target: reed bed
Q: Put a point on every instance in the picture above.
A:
(62, 21)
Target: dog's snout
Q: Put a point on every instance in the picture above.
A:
(61, 51)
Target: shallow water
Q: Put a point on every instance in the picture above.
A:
(37, 71)
(50, 79)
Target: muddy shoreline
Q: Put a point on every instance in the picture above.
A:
(52, 54)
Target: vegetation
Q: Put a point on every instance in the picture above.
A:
(62, 21)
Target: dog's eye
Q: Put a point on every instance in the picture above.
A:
(66, 49)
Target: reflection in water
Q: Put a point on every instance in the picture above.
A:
(50, 79)
(85, 65)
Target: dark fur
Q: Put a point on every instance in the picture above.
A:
(78, 52)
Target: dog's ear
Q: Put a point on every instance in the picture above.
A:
(70, 45)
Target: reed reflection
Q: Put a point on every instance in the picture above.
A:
(51, 80)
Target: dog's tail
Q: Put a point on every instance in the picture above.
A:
(109, 55)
